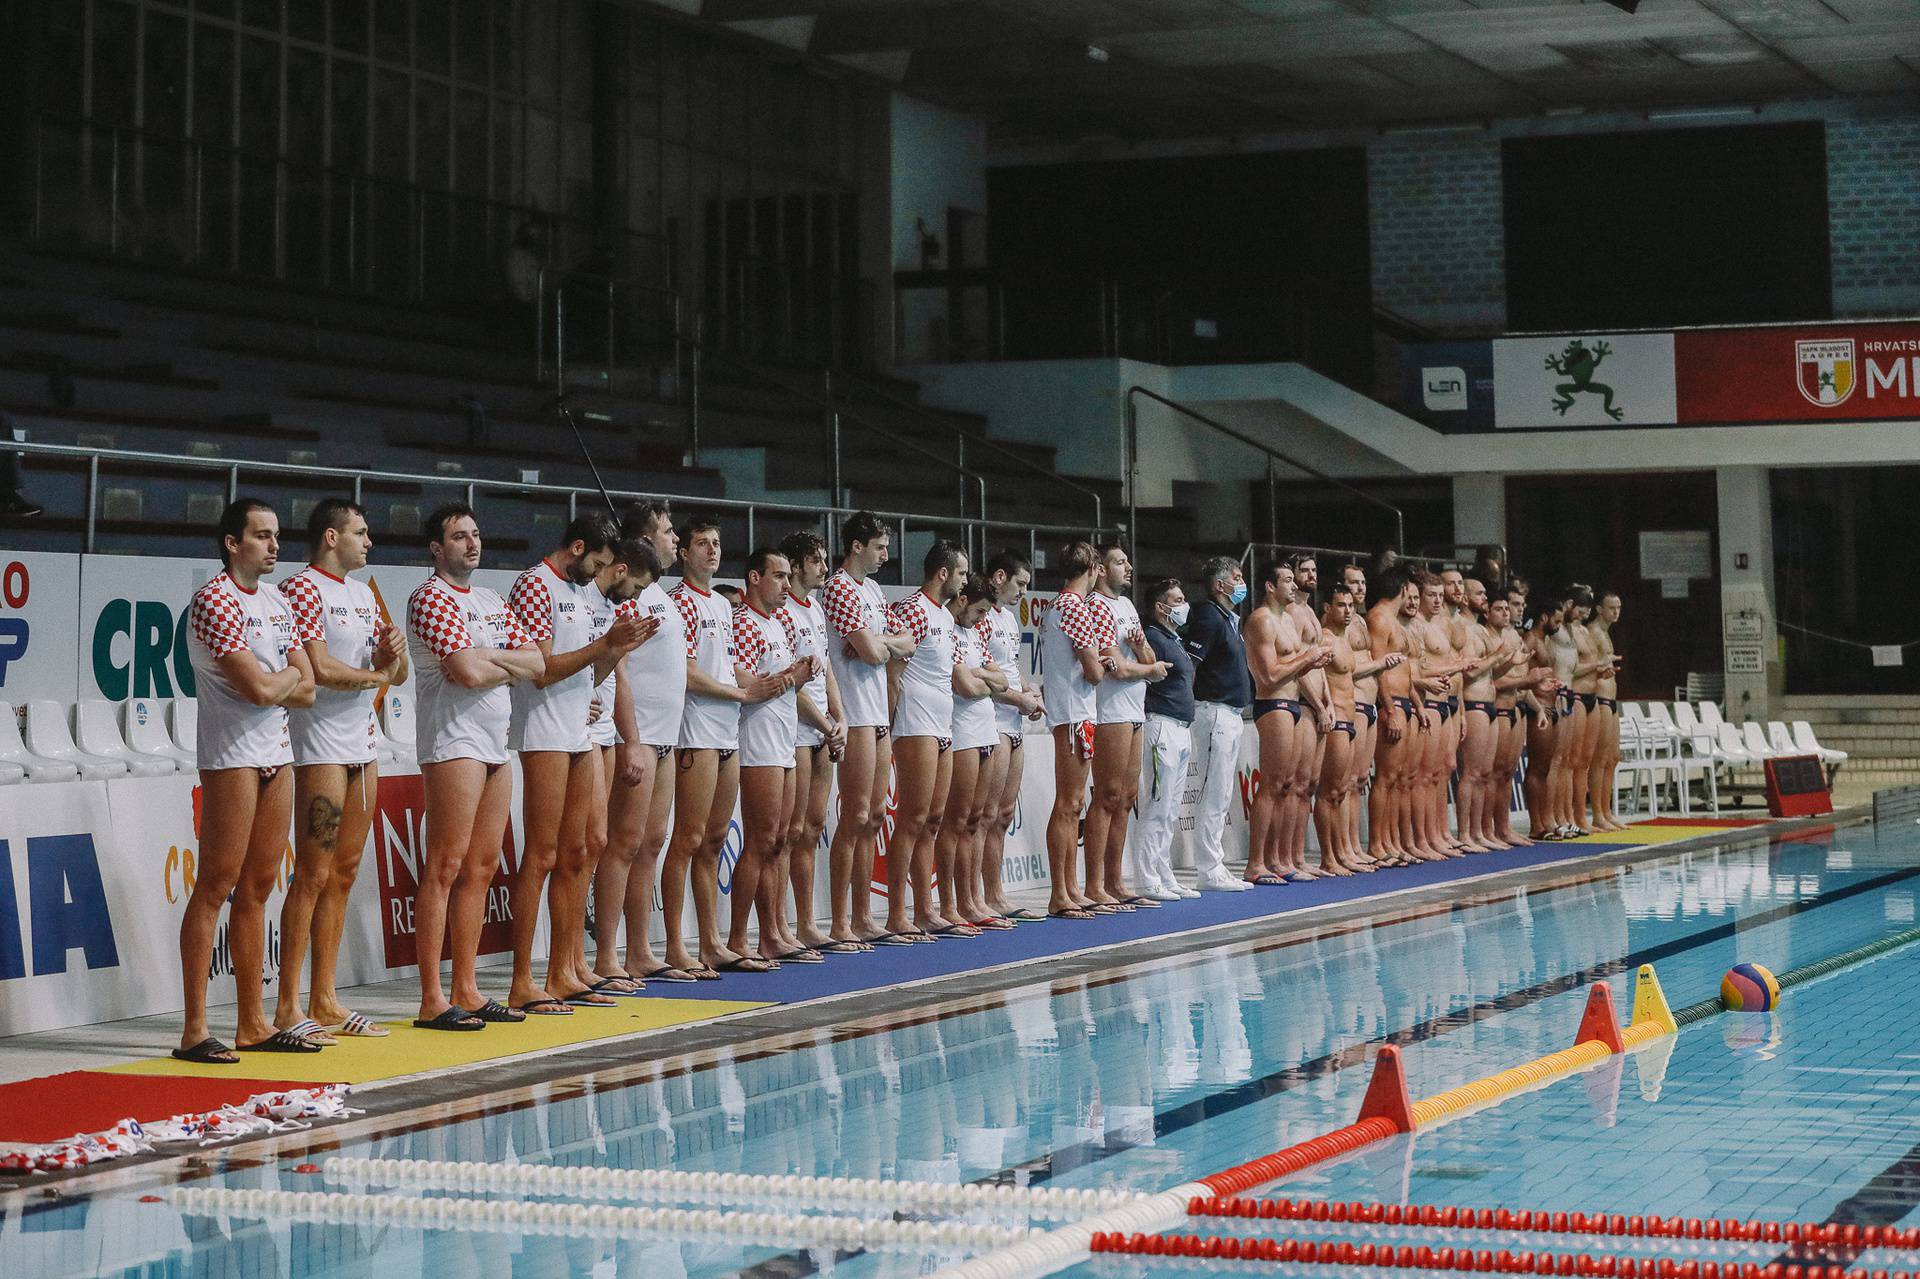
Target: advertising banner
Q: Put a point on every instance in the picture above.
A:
(1601, 379)
(1448, 385)
(39, 625)
(1828, 372)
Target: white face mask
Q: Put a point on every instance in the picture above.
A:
(1178, 613)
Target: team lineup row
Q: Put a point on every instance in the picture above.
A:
(627, 702)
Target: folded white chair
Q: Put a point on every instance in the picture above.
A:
(143, 722)
(1684, 717)
(1808, 744)
(47, 735)
(37, 768)
(95, 733)
(183, 721)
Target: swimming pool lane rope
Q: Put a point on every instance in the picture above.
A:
(1807, 972)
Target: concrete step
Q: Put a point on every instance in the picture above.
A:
(1887, 716)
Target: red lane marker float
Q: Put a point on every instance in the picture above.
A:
(1481, 1261)
(1385, 1111)
(1816, 1234)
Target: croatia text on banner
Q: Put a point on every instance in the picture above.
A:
(1799, 373)
(1592, 379)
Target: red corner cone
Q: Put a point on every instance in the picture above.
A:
(1387, 1092)
(1599, 1022)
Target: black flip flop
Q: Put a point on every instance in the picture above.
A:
(1072, 912)
(1145, 903)
(805, 955)
(495, 1011)
(579, 1000)
(280, 1041)
(664, 973)
(843, 948)
(892, 939)
(752, 964)
(631, 989)
(208, 1052)
(454, 1018)
(545, 1008)
(704, 973)
(1024, 915)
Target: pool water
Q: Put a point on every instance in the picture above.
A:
(1181, 1068)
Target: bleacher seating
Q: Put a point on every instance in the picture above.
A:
(34, 767)
(144, 720)
(95, 733)
(48, 736)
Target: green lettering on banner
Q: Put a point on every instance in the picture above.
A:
(182, 664)
(152, 646)
(116, 618)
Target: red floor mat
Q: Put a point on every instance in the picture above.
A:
(55, 1107)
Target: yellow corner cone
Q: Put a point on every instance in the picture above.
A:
(1650, 1002)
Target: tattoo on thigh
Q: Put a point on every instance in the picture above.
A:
(323, 821)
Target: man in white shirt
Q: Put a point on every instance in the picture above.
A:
(249, 669)
(355, 653)
(1008, 576)
(863, 639)
(819, 743)
(647, 714)
(922, 699)
(1070, 671)
(1120, 711)
(549, 729)
(466, 646)
(767, 736)
(709, 759)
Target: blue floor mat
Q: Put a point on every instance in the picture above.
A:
(894, 965)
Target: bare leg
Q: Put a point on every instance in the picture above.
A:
(1122, 816)
(813, 777)
(705, 871)
(762, 796)
(319, 790)
(1063, 824)
(567, 893)
(1329, 813)
(1005, 806)
(360, 801)
(545, 793)
(247, 916)
(692, 804)
(453, 789)
(467, 904)
(952, 867)
(230, 796)
(1111, 751)
(925, 916)
(1309, 752)
(628, 807)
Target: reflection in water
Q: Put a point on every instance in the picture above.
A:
(1187, 1067)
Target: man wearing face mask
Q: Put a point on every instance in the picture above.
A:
(1222, 689)
(1167, 745)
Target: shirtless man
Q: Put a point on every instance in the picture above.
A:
(1366, 705)
(1603, 720)
(1479, 742)
(1318, 726)
(1279, 658)
(1439, 663)
(1403, 722)
(1338, 854)
(1522, 680)
(1546, 643)
(1576, 745)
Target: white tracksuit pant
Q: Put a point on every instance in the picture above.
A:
(1164, 753)
(1216, 758)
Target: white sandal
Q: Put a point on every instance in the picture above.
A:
(359, 1026)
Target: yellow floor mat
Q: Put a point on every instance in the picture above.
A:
(411, 1051)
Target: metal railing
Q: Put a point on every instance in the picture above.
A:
(133, 192)
(963, 440)
(1335, 555)
(976, 531)
(1272, 455)
(637, 320)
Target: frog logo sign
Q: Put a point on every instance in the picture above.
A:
(1825, 371)
(1578, 362)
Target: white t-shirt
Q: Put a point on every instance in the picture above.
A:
(550, 607)
(708, 723)
(806, 624)
(451, 722)
(766, 728)
(926, 685)
(1119, 701)
(600, 614)
(1001, 627)
(657, 670)
(857, 606)
(1067, 628)
(344, 615)
(973, 718)
(223, 618)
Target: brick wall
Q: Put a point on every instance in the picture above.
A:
(1439, 247)
(1873, 200)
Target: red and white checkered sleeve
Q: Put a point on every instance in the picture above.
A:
(532, 603)
(627, 608)
(785, 616)
(437, 621)
(1076, 620)
(517, 633)
(749, 644)
(843, 604)
(908, 616)
(309, 614)
(218, 621)
(1104, 634)
(690, 614)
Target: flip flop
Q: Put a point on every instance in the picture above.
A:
(495, 1011)
(998, 923)
(1025, 915)
(749, 964)
(957, 930)
(704, 973)
(664, 973)
(892, 939)
(313, 1032)
(584, 999)
(843, 948)
(545, 1008)
(208, 1052)
(805, 955)
(1072, 912)
(632, 990)
(919, 937)
(1295, 877)
(1269, 881)
(280, 1041)
(1144, 903)
(360, 1026)
(454, 1018)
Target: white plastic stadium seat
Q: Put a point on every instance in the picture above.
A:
(1710, 714)
(95, 733)
(12, 774)
(38, 768)
(1780, 739)
(396, 724)
(1732, 749)
(47, 735)
(183, 718)
(144, 726)
(1808, 744)
(1755, 740)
